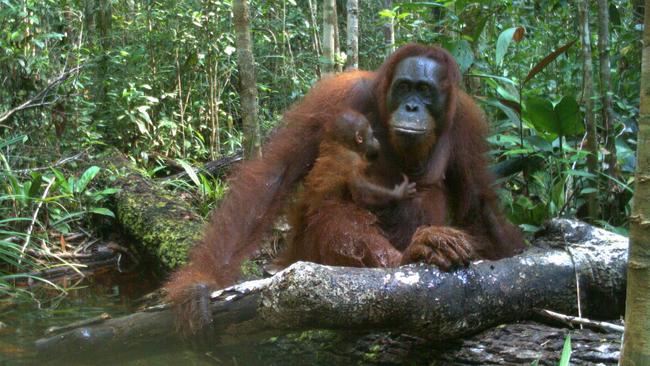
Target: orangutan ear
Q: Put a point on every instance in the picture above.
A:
(358, 138)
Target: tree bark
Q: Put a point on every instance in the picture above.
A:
(416, 299)
(103, 21)
(248, 84)
(389, 30)
(316, 37)
(636, 347)
(587, 94)
(607, 111)
(353, 34)
(329, 35)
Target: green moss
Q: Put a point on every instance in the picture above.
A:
(164, 226)
(251, 269)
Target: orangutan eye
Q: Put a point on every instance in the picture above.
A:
(424, 88)
(402, 87)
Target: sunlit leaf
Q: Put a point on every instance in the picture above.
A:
(190, 171)
(86, 177)
(566, 351)
(102, 211)
(507, 36)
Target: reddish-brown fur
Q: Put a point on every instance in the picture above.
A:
(455, 206)
(338, 181)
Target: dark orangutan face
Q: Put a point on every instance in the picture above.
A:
(366, 142)
(353, 129)
(416, 101)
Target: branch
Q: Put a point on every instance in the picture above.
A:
(39, 99)
(416, 299)
(610, 327)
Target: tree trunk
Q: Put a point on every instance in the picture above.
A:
(329, 35)
(315, 36)
(248, 85)
(389, 30)
(353, 34)
(103, 26)
(605, 91)
(636, 346)
(587, 94)
(415, 299)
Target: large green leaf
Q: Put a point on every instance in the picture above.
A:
(462, 52)
(562, 119)
(86, 177)
(568, 115)
(539, 111)
(507, 36)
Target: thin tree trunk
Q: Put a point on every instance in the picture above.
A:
(329, 35)
(606, 89)
(103, 21)
(636, 346)
(338, 66)
(353, 34)
(316, 37)
(89, 20)
(389, 30)
(587, 93)
(248, 85)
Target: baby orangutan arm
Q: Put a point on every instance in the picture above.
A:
(367, 193)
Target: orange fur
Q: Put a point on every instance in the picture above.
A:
(454, 189)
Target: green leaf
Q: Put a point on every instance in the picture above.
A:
(503, 42)
(462, 52)
(588, 191)
(143, 112)
(562, 119)
(568, 115)
(102, 211)
(11, 141)
(539, 111)
(387, 13)
(35, 186)
(108, 191)
(190, 171)
(508, 92)
(566, 351)
(60, 179)
(580, 173)
(509, 112)
(495, 77)
(86, 177)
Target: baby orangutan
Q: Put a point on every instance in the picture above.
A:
(338, 180)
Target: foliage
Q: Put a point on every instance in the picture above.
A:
(38, 206)
(159, 81)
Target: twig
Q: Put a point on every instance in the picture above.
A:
(81, 323)
(39, 99)
(31, 225)
(581, 321)
(57, 163)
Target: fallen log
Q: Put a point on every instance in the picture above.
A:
(416, 299)
(164, 225)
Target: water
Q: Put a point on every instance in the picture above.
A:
(121, 294)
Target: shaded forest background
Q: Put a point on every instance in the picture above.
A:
(158, 80)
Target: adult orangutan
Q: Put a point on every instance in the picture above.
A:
(428, 130)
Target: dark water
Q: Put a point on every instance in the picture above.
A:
(119, 294)
(112, 293)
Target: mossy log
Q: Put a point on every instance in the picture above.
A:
(164, 225)
(416, 299)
